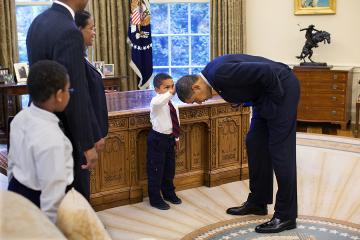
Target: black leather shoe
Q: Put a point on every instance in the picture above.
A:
(248, 208)
(173, 199)
(160, 205)
(276, 225)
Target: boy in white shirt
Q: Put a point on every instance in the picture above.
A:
(40, 155)
(162, 140)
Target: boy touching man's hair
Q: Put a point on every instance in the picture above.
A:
(162, 140)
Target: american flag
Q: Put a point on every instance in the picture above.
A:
(139, 38)
(135, 17)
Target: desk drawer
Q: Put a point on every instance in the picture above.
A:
(325, 100)
(322, 87)
(320, 113)
(325, 76)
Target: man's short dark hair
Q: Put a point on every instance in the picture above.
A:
(184, 86)
(46, 78)
(159, 78)
(81, 18)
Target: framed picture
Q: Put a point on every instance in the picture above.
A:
(3, 72)
(21, 72)
(307, 7)
(99, 65)
(108, 70)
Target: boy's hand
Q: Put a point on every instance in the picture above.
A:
(173, 90)
(91, 159)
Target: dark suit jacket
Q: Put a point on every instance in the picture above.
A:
(53, 35)
(241, 78)
(98, 100)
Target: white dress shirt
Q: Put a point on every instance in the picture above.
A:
(40, 156)
(67, 7)
(205, 80)
(160, 113)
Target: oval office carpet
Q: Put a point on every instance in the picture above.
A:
(308, 228)
(328, 189)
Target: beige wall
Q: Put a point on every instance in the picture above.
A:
(273, 32)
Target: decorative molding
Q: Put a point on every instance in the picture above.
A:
(140, 121)
(194, 114)
(118, 124)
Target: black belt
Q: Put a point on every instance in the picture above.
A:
(162, 134)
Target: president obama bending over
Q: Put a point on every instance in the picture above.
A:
(273, 92)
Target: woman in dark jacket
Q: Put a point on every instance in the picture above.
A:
(86, 25)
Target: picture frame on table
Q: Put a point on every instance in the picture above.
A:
(3, 72)
(314, 7)
(99, 65)
(21, 72)
(109, 70)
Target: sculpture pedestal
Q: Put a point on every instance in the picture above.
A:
(314, 65)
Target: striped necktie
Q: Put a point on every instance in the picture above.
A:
(174, 120)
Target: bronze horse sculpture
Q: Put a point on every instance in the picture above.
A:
(319, 36)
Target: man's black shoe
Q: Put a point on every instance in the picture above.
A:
(275, 225)
(160, 205)
(173, 199)
(248, 208)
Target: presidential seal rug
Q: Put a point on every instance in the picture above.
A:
(308, 228)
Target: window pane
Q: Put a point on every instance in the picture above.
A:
(200, 18)
(177, 73)
(161, 70)
(160, 51)
(25, 101)
(179, 18)
(197, 70)
(179, 50)
(24, 16)
(159, 18)
(200, 50)
(22, 51)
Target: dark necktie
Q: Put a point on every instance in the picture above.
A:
(174, 120)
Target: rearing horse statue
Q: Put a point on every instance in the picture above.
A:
(319, 36)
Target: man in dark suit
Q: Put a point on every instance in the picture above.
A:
(273, 91)
(53, 35)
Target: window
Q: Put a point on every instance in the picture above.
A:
(26, 11)
(180, 37)
(180, 33)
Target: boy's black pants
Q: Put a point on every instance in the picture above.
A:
(160, 165)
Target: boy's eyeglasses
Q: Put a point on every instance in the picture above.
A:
(71, 90)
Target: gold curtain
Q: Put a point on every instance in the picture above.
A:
(8, 35)
(227, 32)
(111, 22)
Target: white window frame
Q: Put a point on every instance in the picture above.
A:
(188, 34)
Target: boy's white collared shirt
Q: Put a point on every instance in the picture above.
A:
(40, 156)
(160, 113)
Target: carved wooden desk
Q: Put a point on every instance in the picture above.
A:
(212, 150)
